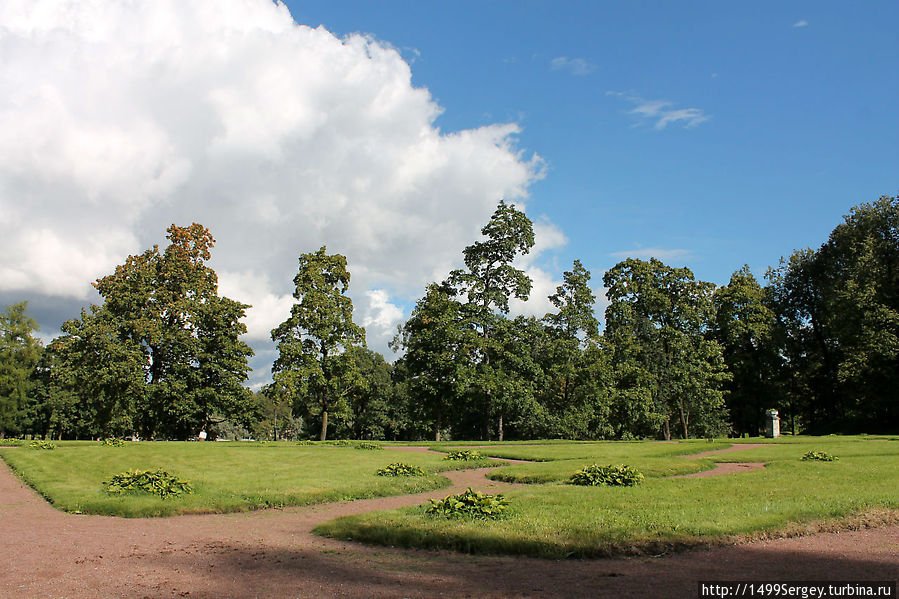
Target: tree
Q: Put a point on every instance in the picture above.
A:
(20, 352)
(656, 324)
(838, 313)
(745, 328)
(438, 343)
(372, 409)
(312, 362)
(162, 354)
(489, 282)
(574, 391)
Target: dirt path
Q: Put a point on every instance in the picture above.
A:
(722, 468)
(272, 553)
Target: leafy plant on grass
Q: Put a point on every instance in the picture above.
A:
(463, 455)
(594, 475)
(400, 469)
(9, 442)
(367, 445)
(819, 456)
(113, 442)
(305, 442)
(469, 504)
(41, 444)
(156, 482)
(336, 443)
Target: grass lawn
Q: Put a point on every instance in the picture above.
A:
(226, 477)
(558, 520)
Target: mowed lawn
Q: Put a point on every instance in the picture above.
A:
(555, 520)
(226, 477)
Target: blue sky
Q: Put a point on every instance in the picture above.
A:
(707, 134)
(795, 102)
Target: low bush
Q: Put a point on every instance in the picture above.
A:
(400, 469)
(9, 442)
(156, 482)
(367, 445)
(337, 443)
(594, 475)
(469, 504)
(113, 442)
(305, 442)
(41, 444)
(464, 455)
(819, 456)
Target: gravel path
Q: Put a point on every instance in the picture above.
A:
(272, 553)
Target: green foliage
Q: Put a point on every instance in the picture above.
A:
(463, 455)
(469, 504)
(113, 442)
(11, 442)
(368, 445)
(312, 363)
(615, 476)
(41, 444)
(400, 469)
(336, 443)
(156, 482)
(819, 456)
(163, 353)
(668, 374)
(20, 352)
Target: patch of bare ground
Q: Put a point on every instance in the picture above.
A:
(272, 553)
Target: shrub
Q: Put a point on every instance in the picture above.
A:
(113, 442)
(400, 469)
(305, 442)
(819, 456)
(156, 482)
(594, 475)
(470, 504)
(367, 445)
(40, 444)
(465, 455)
(10, 442)
(337, 443)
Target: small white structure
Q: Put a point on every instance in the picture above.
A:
(772, 424)
(202, 435)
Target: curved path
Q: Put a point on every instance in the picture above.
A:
(721, 468)
(272, 553)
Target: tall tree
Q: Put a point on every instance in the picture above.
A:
(438, 344)
(656, 323)
(489, 282)
(745, 328)
(20, 352)
(573, 394)
(312, 360)
(163, 352)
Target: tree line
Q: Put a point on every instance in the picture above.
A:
(161, 356)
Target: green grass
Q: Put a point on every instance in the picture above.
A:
(557, 520)
(226, 477)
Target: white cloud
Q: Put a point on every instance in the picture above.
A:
(661, 113)
(575, 66)
(646, 253)
(118, 119)
(800, 23)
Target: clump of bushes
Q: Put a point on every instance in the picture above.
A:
(305, 442)
(469, 504)
(10, 442)
(368, 445)
(337, 443)
(464, 455)
(113, 442)
(594, 475)
(819, 456)
(400, 469)
(41, 444)
(155, 482)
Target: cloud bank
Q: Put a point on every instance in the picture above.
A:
(118, 119)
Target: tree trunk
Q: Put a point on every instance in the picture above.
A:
(437, 425)
(324, 434)
(499, 426)
(667, 430)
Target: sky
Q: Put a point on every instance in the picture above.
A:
(706, 134)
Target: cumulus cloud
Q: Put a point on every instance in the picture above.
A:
(120, 118)
(661, 113)
(800, 23)
(575, 66)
